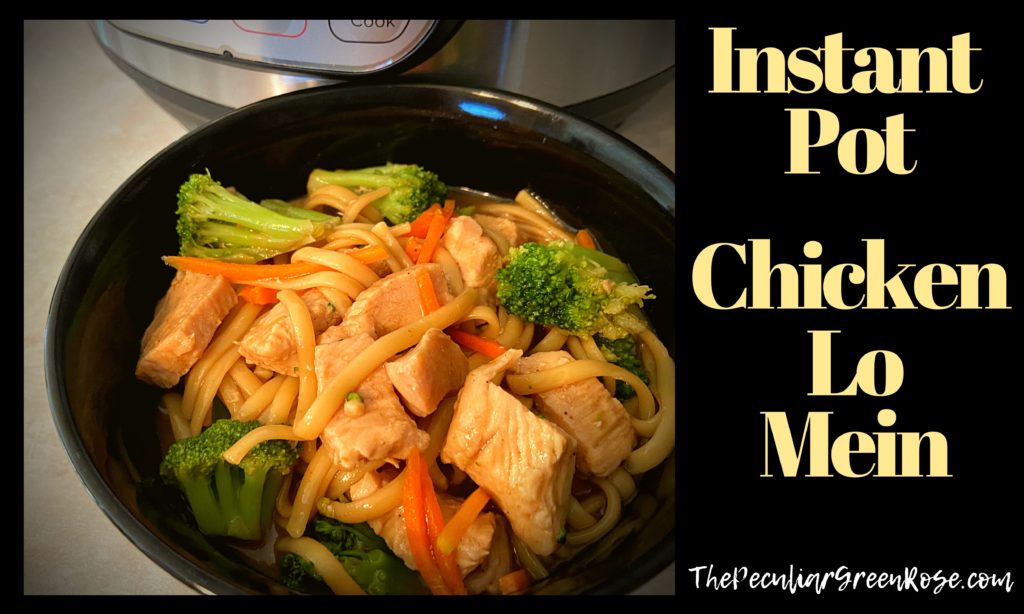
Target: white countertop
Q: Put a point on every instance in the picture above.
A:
(88, 127)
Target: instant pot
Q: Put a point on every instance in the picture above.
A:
(201, 69)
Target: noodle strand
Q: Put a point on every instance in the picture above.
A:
(612, 513)
(375, 505)
(305, 342)
(308, 492)
(660, 445)
(327, 566)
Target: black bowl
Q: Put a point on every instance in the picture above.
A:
(486, 140)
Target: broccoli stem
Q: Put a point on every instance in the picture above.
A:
(352, 179)
(237, 503)
(271, 486)
(227, 207)
(227, 486)
(230, 254)
(205, 508)
(250, 500)
(279, 206)
(236, 235)
(617, 269)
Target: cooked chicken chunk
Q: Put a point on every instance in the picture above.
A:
(271, 343)
(428, 372)
(473, 548)
(476, 254)
(389, 304)
(383, 430)
(183, 325)
(525, 462)
(501, 226)
(594, 418)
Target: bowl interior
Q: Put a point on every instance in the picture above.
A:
(482, 140)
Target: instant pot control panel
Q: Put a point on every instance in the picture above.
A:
(348, 47)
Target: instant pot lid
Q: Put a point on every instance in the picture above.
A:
(201, 69)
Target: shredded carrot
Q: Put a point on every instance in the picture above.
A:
(435, 526)
(258, 295)
(414, 507)
(432, 241)
(513, 582)
(487, 347)
(242, 273)
(428, 297)
(433, 237)
(583, 238)
(448, 210)
(421, 225)
(412, 248)
(369, 254)
(452, 534)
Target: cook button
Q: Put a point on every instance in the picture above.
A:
(367, 30)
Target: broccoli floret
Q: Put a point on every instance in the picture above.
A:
(623, 352)
(214, 222)
(413, 188)
(364, 555)
(226, 499)
(299, 575)
(580, 290)
(381, 573)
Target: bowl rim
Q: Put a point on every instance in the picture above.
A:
(658, 182)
